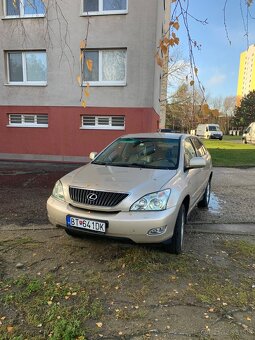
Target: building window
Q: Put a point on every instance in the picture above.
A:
(102, 7)
(105, 67)
(24, 8)
(27, 68)
(28, 120)
(103, 122)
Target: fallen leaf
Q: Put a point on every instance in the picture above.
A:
(99, 324)
(10, 329)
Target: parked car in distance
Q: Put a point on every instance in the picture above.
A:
(141, 187)
(249, 134)
(209, 131)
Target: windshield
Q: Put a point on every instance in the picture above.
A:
(214, 128)
(153, 153)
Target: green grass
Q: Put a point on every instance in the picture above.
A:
(230, 152)
(56, 307)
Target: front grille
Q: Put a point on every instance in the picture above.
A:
(96, 198)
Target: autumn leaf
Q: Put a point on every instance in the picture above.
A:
(171, 42)
(176, 25)
(82, 44)
(164, 49)
(79, 80)
(176, 41)
(192, 83)
(84, 104)
(99, 324)
(86, 93)
(89, 64)
(196, 71)
(9, 329)
(159, 61)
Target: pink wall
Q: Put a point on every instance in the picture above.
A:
(64, 136)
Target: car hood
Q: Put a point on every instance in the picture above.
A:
(118, 179)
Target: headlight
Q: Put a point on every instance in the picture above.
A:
(58, 191)
(154, 201)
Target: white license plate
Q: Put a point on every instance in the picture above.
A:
(84, 223)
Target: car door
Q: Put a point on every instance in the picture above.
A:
(193, 176)
(202, 152)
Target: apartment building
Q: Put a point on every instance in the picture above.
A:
(49, 48)
(246, 77)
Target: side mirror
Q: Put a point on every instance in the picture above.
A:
(92, 155)
(196, 163)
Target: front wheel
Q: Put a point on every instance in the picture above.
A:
(204, 202)
(176, 245)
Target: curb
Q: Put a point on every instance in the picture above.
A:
(232, 229)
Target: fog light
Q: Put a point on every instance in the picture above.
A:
(157, 231)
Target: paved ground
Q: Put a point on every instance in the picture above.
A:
(131, 292)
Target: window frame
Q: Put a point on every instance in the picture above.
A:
(29, 125)
(98, 126)
(101, 11)
(22, 12)
(101, 82)
(25, 82)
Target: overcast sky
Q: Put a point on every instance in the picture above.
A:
(218, 60)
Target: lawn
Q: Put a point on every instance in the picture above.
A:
(231, 152)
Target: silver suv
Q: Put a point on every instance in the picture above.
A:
(141, 187)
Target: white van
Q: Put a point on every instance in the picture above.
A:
(249, 134)
(209, 131)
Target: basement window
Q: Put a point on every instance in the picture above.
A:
(103, 122)
(28, 120)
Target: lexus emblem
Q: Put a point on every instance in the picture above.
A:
(92, 197)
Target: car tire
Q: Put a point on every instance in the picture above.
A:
(204, 202)
(176, 245)
(71, 233)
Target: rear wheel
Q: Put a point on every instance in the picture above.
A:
(176, 245)
(204, 203)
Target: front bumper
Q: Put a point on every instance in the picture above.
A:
(133, 225)
(215, 136)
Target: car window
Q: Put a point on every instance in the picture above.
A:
(189, 151)
(200, 149)
(154, 153)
